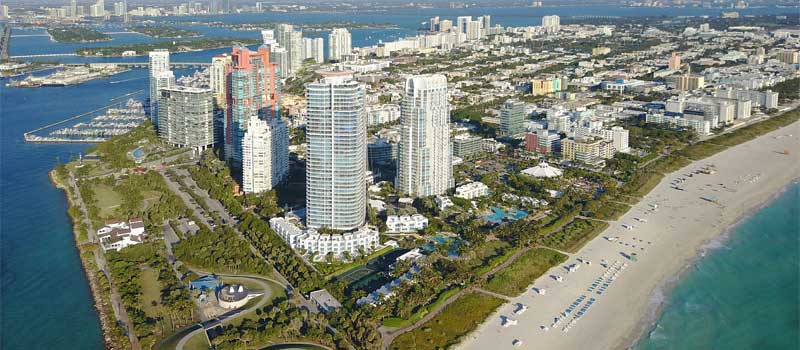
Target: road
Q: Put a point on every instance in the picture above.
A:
(100, 259)
(217, 207)
(231, 316)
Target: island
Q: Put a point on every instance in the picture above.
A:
(314, 27)
(77, 35)
(164, 32)
(172, 46)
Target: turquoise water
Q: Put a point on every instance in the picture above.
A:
(498, 214)
(45, 301)
(743, 294)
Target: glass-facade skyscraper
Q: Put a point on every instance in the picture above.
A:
(336, 164)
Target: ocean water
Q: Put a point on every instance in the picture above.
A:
(45, 301)
(743, 294)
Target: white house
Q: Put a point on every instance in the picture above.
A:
(406, 223)
(472, 190)
(116, 235)
(320, 244)
(444, 202)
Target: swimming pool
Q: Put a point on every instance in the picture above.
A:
(499, 215)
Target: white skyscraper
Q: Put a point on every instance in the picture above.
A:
(98, 9)
(314, 48)
(336, 165)
(620, 139)
(339, 43)
(268, 37)
(159, 66)
(292, 41)
(551, 24)
(265, 150)
(462, 22)
(425, 156)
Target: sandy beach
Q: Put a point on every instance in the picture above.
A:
(609, 303)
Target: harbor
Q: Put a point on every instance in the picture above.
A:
(94, 126)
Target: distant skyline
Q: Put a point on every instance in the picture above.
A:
(434, 3)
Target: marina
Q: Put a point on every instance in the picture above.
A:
(105, 122)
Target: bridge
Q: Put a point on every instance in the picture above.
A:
(45, 55)
(147, 64)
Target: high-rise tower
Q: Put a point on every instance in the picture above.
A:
(425, 156)
(336, 131)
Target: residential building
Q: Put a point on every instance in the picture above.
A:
(382, 114)
(591, 150)
(689, 82)
(380, 152)
(218, 77)
(674, 62)
(339, 43)
(117, 235)
(472, 190)
(546, 86)
(465, 146)
(311, 242)
(186, 117)
(424, 147)
(767, 99)
(336, 161)
(98, 9)
(159, 66)
(406, 223)
(292, 41)
(788, 56)
(695, 123)
(265, 155)
(512, 118)
(558, 122)
(253, 89)
(314, 48)
(551, 24)
(617, 135)
(543, 142)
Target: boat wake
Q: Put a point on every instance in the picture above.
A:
(122, 81)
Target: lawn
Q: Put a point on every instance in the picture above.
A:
(516, 277)
(197, 342)
(451, 325)
(107, 200)
(151, 291)
(574, 235)
(399, 322)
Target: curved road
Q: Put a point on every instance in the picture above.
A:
(261, 281)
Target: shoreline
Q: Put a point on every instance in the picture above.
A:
(685, 226)
(98, 302)
(660, 296)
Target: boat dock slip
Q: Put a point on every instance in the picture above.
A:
(94, 126)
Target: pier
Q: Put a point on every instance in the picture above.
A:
(87, 135)
(5, 39)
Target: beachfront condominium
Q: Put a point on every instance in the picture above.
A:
(551, 24)
(424, 155)
(253, 88)
(339, 43)
(292, 41)
(219, 72)
(186, 117)
(263, 169)
(314, 48)
(159, 65)
(512, 118)
(336, 161)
